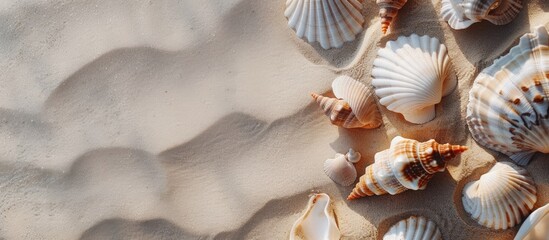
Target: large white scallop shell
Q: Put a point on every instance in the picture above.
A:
(353, 107)
(414, 228)
(329, 22)
(508, 109)
(411, 75)
(536, 226)
(501, 198)
(318, 221)
(461, 14)
(340, 169)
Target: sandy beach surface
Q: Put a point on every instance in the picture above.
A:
(192, 119)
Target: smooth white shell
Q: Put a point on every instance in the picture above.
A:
(411, 75)
(353, 156)
(508, 109)
(318, 221)
(536, 226)
(414, 228)
(340, 170)
(501, 197)
(461, 14)
(329, 22)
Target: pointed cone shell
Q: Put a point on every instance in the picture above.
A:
(329, 22)
(318, 221)
(508, 109)
(414, 228)
(407, 164)
(354, 106)
(340, 170)
(353, 156)
(388, 10)
(411, 75)
(501, 198)
(461, 14)
(536, 226)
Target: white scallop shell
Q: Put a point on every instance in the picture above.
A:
(536, 226)
(318, 221)
(501, 197)
(329, 22)
(461, 14)
(508, 109)
(414, 228)
(411, 75)
(340, 169)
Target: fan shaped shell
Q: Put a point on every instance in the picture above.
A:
(329, 22)
(501, 197)
(508, 109)
(411, 75)
(414, 228)
(536, 226)
(354, 105)
(340, 170)
(318, 221)
(461, 14)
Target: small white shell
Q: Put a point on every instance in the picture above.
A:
(536, 226)
(353, 156)
(329, 22)
(508, 109)
(340, 169)
(318, 221)
(461, 14)
(411, 75)
(501, 197)
(414, 228)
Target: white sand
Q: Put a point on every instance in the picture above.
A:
(186, 119)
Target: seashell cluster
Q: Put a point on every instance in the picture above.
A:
(318, 221)
(508, 109)
(536, 226)
(341, 169)
(388, 10)
(414, 228)
(353, 107)
(411, 75)
(329, 22)
(460, 14)
(407, 164)
(501, 197)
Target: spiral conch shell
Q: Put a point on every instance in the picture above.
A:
(388, 10)
(501, 197)
(461, 14)
(414, 228)
(318, 221)
(341, 169)
(508, 109)
(536, 226)
(407, 164)
(411, 75)
(329, 22)
(354, 106)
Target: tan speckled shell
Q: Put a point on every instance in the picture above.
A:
(407, 164)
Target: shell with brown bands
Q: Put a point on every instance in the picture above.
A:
(388, 9)
(407, 164)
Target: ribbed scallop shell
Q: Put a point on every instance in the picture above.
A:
(407, 164)
(318, 221)
(354, 106)
(340, 169)
(329, 22)
(414, 228)
(388, 10)
(411, 75)
(461, 14)
(501, 198)
(508, 108)
(536, 226)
